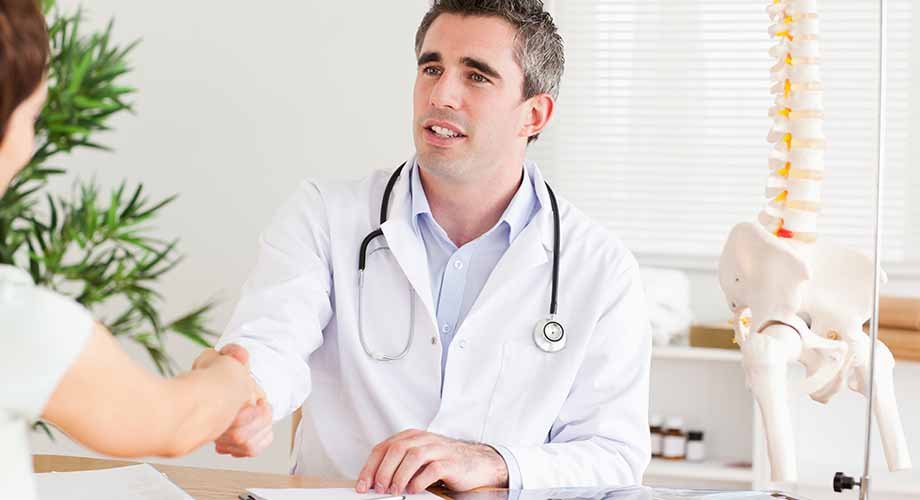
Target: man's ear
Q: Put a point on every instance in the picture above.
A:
(539, 109)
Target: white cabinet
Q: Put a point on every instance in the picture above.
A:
(706, 387)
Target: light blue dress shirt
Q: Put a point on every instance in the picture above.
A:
(459, 274)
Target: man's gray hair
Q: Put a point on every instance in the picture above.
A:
(538, 46)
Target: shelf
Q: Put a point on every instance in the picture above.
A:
(696, 353)
(711, 471)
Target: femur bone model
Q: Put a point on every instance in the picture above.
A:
(796, 297)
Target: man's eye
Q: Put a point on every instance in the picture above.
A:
(431, 71)
(479, 78)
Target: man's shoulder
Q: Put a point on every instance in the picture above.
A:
(326, 202)
(590, 240)
(343, 189)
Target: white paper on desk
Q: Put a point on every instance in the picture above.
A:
(326, 494)
(134, 482)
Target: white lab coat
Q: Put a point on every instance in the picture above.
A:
(573, 418)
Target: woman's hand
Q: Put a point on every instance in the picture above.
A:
(209, 357)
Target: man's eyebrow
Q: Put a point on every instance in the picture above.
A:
(429, 57)
(482, 67)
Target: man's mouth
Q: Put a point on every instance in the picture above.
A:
(443, 130)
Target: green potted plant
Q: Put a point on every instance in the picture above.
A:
(99, 248)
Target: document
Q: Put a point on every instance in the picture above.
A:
(135, 482)
(327, 494)
(627, 493)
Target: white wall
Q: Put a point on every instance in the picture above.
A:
(238, 102)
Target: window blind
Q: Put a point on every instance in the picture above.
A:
(660, 129)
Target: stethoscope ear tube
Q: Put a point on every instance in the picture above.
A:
(362, 263)
(362, 257)
(549, 335)
(556, 244)
(385, 202)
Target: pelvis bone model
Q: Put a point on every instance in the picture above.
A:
(795, 298)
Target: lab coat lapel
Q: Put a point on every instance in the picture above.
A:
(533, 246)
(406, 246)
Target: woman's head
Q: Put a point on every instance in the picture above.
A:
(23, 61)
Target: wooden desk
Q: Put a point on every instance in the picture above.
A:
(216, 484)
(201, 484)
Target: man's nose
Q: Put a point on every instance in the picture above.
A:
(445, 93)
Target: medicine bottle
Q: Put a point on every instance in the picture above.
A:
(655, 428)
(696, 450)
(674, 444)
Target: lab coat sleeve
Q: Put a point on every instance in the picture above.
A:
(514, 472)
(285, 303)
(601, 436)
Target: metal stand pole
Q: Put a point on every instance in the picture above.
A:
(842, 482)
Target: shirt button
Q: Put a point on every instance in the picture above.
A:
(462, 344)
(445, 328)
(458, 265)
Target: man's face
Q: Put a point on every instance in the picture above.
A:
(469, 109)
(19, 136)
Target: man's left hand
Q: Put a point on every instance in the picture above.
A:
(413, 460)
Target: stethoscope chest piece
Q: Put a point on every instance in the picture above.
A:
(549, 335)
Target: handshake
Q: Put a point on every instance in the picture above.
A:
(249, 432)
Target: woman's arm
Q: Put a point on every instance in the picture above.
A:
(109, 403)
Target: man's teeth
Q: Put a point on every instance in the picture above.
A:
(444, 132)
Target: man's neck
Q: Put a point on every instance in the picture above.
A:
(467, 210)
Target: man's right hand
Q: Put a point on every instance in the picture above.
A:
(251, 431)
(249, 434)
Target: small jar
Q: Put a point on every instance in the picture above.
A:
(655, 428)
(696, 450)
(674, 442)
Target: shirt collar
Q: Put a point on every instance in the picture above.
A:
(417, 196)
(517, 215)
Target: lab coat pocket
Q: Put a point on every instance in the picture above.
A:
(386, 305)
(528, 394)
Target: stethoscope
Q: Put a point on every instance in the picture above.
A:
(548, 335)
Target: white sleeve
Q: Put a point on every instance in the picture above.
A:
(601, 437)
(42, 334)
(285, 303)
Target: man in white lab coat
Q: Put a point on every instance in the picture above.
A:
(430, 370)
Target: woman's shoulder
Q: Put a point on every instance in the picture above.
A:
(16, 290)
(39, 311)
(13, 276)
(43, 332)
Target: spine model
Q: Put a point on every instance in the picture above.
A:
(796, 163)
